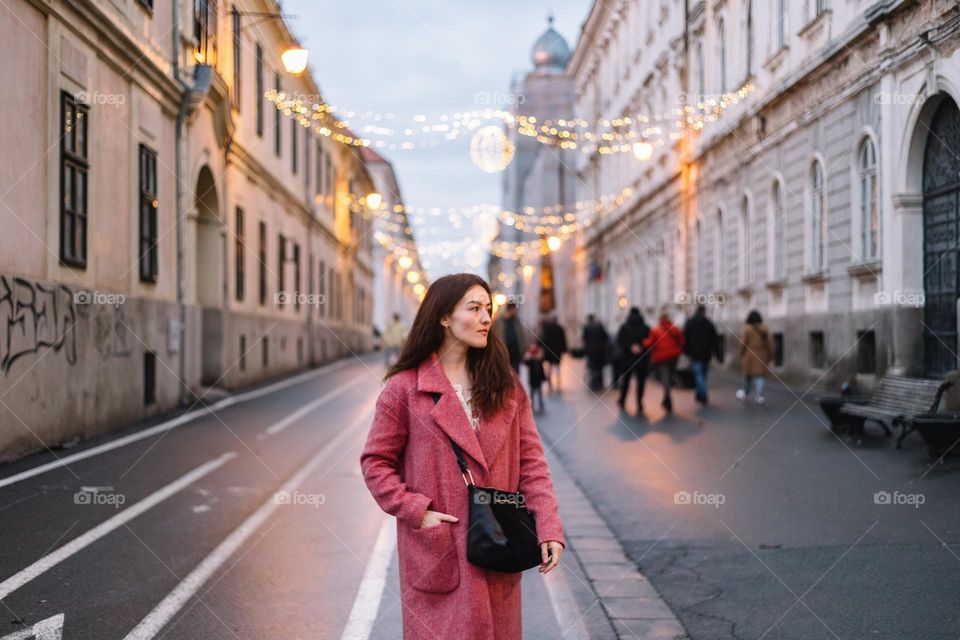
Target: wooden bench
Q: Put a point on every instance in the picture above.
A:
(895, 399)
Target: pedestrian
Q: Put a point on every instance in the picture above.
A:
(630, 339)
(410, 469)
(666, 344)
(393, 337)
(553, 339)
(701, 345)
(533, 358)
(595, 341)
(756, 354)
(514, 334)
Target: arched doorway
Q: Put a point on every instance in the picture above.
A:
(941, 239)
(208, 276)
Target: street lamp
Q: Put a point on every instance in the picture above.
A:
(294, 60)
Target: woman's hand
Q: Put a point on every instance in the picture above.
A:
(434, 518)
(550, 552)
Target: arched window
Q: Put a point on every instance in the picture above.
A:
(818, 226)
(749, 33)
(869, 201)
(746, 237)
(722, 53)
(777, 235)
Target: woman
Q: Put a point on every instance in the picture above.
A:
(756, 352)
(665, 342)
(630, 339)
(410, 468)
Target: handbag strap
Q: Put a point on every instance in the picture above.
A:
(457, 451)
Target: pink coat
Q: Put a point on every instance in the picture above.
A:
(409, 466)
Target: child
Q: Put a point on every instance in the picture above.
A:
(534, 360)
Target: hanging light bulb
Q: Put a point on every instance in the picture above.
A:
(373, 200)
(642, 150)
(553, 243)
(406, 262)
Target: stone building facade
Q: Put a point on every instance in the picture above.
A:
(165, 228)
(827, 198)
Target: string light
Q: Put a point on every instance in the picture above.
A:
(619, 135)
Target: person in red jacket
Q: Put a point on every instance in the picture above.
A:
(665, 343)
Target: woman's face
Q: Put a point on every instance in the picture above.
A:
(469, 322)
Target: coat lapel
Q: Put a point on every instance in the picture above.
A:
(494, 432)
(448, 413)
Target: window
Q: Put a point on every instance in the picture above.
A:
(817, 218)
(149, 378)
(821, 6)
(777, 235)
(322, 287)
(746, 238)
(74, 167)
(147, 4)
(781, 23)
(818, 356)
(296, 274)
(276, 119)
(719, 253)
(262, 266)
(239, 258)
(293, 145)
(866, 352)
(205, 31)
(869, 201)
(148, 215)
(281, 258)
(259, 96)
(265, 352)
(722, 54)
(320, 168)
(235, 18)
(243, 352)
(701, 73)
(778, 349)
(749, 32)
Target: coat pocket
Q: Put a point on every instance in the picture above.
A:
(428, 559)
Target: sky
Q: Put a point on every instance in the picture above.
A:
(428, 57)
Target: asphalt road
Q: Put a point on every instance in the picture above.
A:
(180, 534)
(751, 522)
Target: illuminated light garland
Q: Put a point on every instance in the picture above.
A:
(565, 134)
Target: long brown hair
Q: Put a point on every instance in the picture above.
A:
(489, 367)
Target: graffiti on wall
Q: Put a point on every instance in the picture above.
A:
(34, 317)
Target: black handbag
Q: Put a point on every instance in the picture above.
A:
(502, 532)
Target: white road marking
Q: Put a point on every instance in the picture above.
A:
(280, 425)
(154, 622)
(170, 424)
(49, 629)
(366, 606)
(50, 560)
(565, 607)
